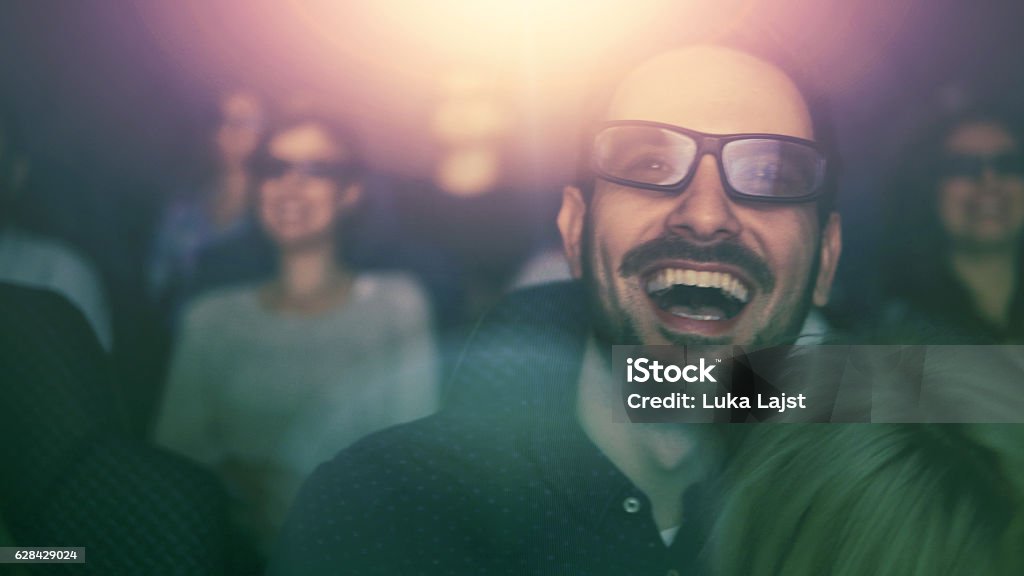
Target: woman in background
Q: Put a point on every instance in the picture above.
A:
(270, 380)
(955, 231)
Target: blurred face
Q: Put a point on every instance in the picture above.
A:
(241, 126)
(301, 190)
(981, 197)
(698, 267)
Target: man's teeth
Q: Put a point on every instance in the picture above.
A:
(704, 317)
(668, 277)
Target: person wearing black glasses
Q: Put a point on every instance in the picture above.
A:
(738, 208)
(704, 215)
(271, 379)
(955, 232)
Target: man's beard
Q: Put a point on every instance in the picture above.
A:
(613, 325)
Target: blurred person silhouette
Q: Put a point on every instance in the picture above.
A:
(213, 207)
(899, 500)
(476, 226)
(269, 380)
(33, 260)
(475, 210)
(74, 476)
(954, 232)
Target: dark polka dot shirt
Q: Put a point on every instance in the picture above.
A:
(503, 481)
(460, 495)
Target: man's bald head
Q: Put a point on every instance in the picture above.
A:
(715, 90)
(708, 223)
(704, 87)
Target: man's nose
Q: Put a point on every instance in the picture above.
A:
(703, 212)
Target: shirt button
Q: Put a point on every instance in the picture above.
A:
(631, 505)
(672, 573)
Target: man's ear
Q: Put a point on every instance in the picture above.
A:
(570, 224)
(349, 198)
(831, 247)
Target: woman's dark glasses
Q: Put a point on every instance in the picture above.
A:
(973, 165)
(268, 167)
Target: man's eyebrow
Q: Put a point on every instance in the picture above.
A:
(652, 135)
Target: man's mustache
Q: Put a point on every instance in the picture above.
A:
(649, 253)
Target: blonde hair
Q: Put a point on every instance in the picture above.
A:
(875, 499)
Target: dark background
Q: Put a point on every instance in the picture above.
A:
(111, 93)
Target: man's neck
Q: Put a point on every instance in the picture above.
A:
(662, 460)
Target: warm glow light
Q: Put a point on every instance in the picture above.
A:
(533, 56)
(387, 64)
(495, 31)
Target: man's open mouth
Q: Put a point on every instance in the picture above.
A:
(696, 294)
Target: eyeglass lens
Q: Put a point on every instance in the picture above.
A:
(765, 167)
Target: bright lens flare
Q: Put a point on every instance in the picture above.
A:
(549, 32)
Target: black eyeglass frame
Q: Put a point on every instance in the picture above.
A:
(339, 172)
(713, 144)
